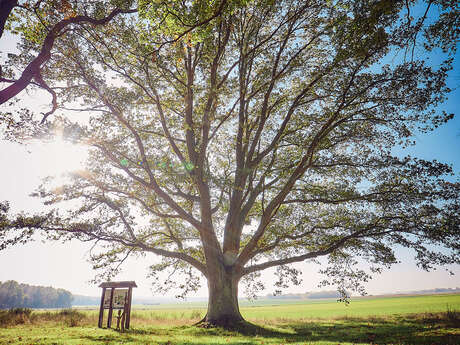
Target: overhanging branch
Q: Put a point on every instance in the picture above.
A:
(33, 68)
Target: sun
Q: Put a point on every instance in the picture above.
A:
(57, 158)
(65, 156)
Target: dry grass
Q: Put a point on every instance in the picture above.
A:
(16, 316)
(73, 317)
(20, 316)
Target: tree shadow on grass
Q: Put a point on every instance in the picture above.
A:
(129, 335)
(420, 329)
(107, 339)
(384, 330)
(147, 331)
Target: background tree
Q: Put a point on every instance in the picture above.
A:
(261, 138)
(15, 295)
(11, 295)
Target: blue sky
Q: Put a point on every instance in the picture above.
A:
(443, 144)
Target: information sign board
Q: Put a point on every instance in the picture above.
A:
(119, 298)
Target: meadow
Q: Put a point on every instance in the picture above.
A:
(433, 319)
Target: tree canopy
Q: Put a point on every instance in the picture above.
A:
(232, 137)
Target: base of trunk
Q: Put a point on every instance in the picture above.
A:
(227, 323)
(242, 327)
(223, 309)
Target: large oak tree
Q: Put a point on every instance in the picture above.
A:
(261, 138)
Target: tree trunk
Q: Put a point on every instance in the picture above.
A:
(223, 308)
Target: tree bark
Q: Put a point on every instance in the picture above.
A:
(6, 6)
(223, 308)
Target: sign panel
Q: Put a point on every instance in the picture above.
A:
(119, 298)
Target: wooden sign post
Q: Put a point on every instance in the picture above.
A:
(116, 295)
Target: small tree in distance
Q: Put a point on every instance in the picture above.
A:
(261, 138)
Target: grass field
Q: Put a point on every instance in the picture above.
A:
(385, 320)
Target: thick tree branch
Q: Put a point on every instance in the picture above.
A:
(115, 239)
(33, 68)
(39, 79)
(6, 6)
(298, 258)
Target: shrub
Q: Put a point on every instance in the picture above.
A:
(14, 316)
(71, 317)
(453, 316)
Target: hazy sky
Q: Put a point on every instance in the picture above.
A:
(66, 266)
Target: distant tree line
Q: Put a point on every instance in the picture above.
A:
(81, 300)
(308, 295)
(336, 294)
(434, 291)
(15, 295)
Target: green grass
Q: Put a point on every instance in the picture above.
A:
(391, 320)
(357, 307)
(266, 309)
